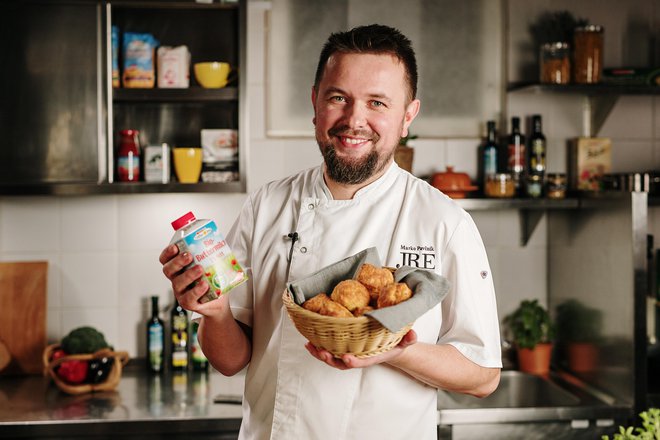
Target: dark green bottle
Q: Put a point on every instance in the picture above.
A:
(155, 339)
(179, 337)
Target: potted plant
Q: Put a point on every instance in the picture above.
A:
(403, 154)
(533, 334)
(578, 331)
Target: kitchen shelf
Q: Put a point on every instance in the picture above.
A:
(91, 188)
(530, 210)
(192, 94)
(586, 89)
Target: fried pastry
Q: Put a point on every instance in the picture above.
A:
(361, 311)
(393, 294)
(351, 294)
(374, 279)
(323, 305)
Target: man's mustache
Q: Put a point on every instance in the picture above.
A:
(344, 130)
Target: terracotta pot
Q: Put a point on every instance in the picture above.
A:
(455, 185)
(535, 360)
(582, 356)
(403, 156)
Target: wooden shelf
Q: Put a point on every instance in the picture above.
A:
(92, 188)
(586, 89)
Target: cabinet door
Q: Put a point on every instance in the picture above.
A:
(50, 92)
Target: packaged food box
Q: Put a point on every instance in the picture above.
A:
(139, 66)
(173, 67)
(588, 160)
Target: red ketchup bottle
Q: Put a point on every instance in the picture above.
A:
(128, 156)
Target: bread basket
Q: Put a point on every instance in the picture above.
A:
(120, 358)
(362, 336)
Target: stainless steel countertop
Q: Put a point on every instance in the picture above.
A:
(142, 403)
(184, 404)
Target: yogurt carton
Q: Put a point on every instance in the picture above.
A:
(202, 239)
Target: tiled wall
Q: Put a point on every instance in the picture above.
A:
(103, 250)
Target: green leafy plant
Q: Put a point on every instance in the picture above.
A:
(578, 323)
(530, 324)
(650, 429)
(554, 26)
(404, 140)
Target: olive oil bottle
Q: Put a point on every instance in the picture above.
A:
(155, 339)
(179, 337)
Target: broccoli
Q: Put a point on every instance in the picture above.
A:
(83, 340)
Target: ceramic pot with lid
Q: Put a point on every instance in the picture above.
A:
(455, 185)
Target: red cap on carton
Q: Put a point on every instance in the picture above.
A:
(183, 221)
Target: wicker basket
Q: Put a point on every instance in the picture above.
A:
(362, 336)
(120, 358)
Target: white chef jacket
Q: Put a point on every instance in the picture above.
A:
(291, 395)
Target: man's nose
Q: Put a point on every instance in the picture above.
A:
(355, 115)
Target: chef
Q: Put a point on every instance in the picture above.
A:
(364, 99)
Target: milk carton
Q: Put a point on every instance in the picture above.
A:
(202, 239)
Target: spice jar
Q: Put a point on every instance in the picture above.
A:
(500, 185)
(556, 186)
(534, 186)
(587, 54)
(555, 63)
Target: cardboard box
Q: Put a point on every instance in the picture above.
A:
(588, 160)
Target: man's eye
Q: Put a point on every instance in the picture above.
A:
(378, 103)
(338, 99)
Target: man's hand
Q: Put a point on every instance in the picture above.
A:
(188, 285)
(349, 361)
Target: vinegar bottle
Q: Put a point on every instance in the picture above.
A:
(128, 156)
(516, 154)
(155, 339)
(537, 148)
(179, 337)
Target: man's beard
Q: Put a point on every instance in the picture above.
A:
(352, 171)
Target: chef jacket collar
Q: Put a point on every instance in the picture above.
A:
(383, 182)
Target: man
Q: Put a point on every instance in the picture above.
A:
(364, 99)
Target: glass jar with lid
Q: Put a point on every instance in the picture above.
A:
(556, 186)
(534, 186)
(500, 185)
(555, 63)
(587, 54)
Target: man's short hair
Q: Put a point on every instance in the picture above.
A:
(375, 39)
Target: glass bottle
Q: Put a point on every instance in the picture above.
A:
(490, 151)
(155, 338)
(516, 154)
(555, 63)
(537, 148)
(179, 337)
(128, 156)
(587, 54)
(199, 360)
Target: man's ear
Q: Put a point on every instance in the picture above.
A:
(314, 104)
(412, 109)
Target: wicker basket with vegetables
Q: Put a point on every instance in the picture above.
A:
(84, 362)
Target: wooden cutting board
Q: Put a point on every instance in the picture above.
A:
(23, 315)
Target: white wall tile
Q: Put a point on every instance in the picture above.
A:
(89, 280)
(462, 155)
(89, 223)
(488, 225)
(630, 119)
(630, 156)
(522, 274)
(30, 224)
(430, 156)
(104, 319)
(144, 221)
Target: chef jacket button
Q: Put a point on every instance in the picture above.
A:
(303, 250)
(310, 206)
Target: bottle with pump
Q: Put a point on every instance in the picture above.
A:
(537, 148)
(490, 153)
(516, 154)
(179, 337)
(155, 339)
(199, 361)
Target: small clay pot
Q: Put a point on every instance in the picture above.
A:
(455, 185)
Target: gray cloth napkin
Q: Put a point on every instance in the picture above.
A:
(428, 287)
